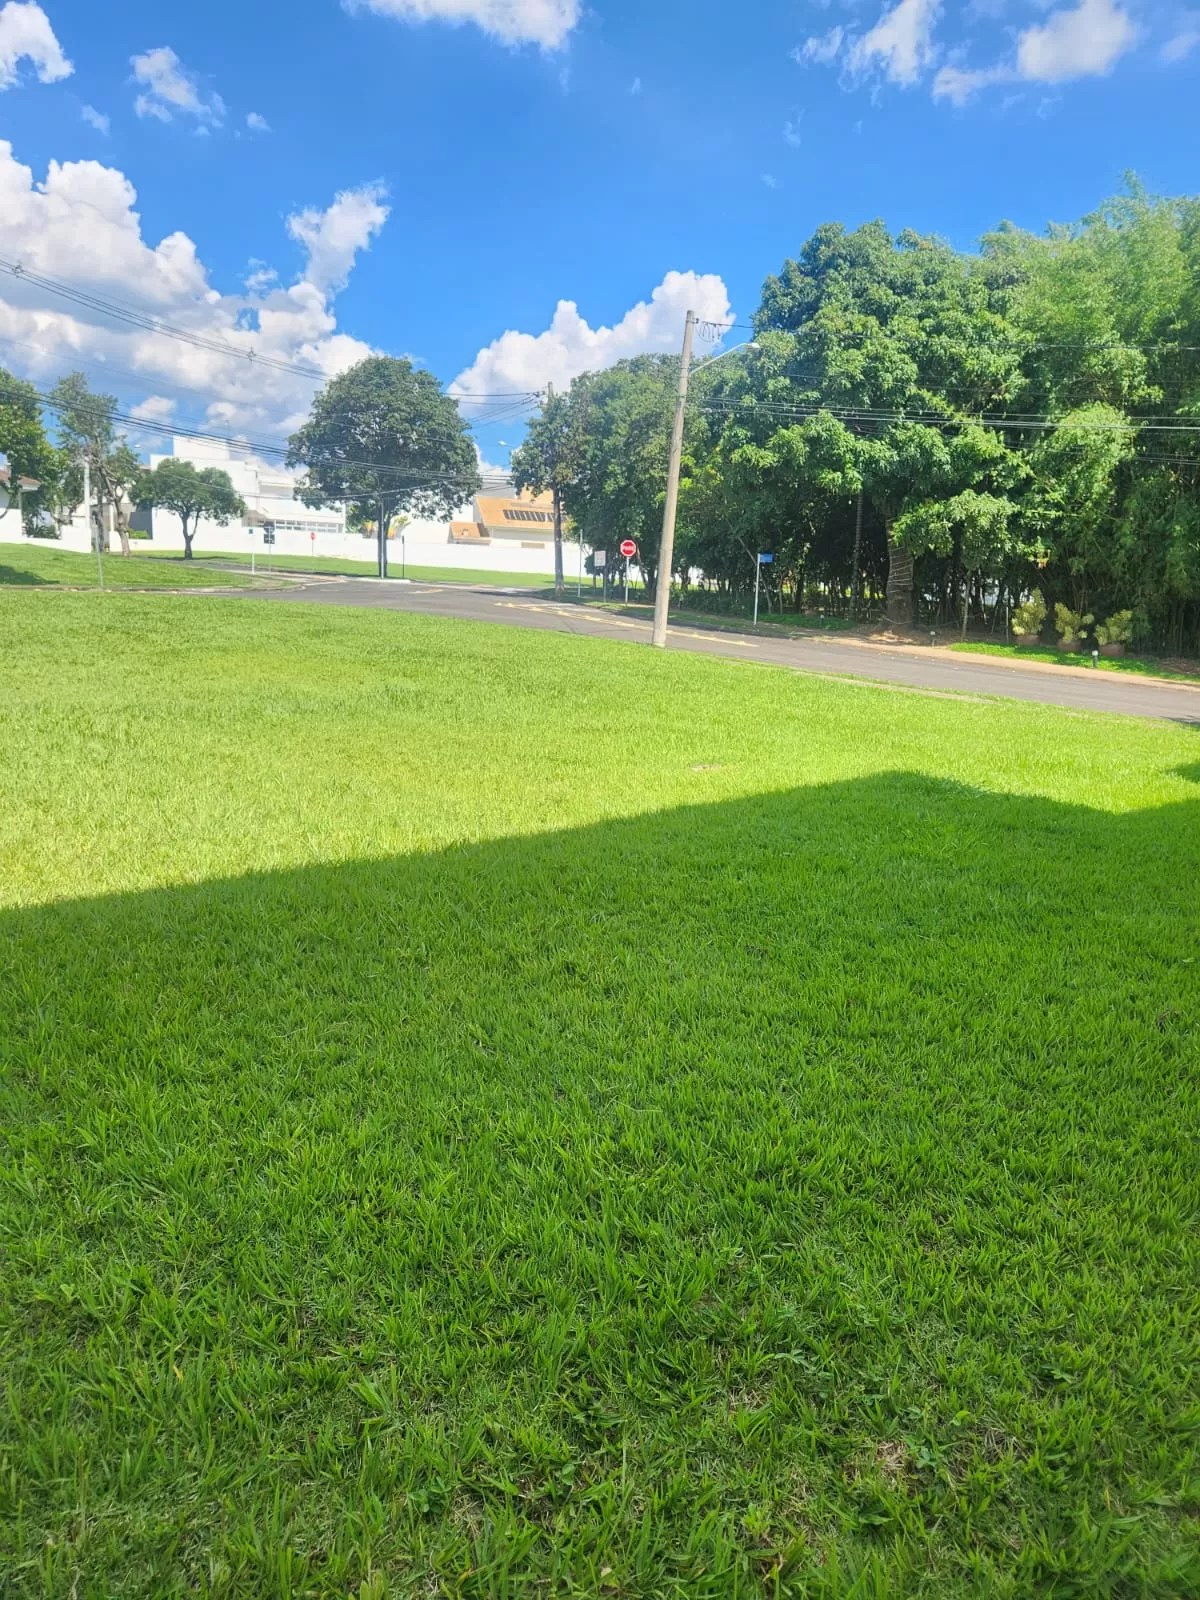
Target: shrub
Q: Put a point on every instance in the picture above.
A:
(1027, 619)
(1117, 630)
(1070, 624)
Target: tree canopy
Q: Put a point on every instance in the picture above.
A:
(383, 438)
(938, 428)
(87, 434)
(179, 487)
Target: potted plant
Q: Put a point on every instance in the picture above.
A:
(1027, 620)
(1112, 636)
(1069, 625)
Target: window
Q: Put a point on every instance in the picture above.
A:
(528, 516)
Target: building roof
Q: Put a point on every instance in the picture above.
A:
(515, 514)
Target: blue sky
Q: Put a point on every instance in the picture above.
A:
(496, 157)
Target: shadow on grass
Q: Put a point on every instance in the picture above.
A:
(789, 1192)
(15, 575)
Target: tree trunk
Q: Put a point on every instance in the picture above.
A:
(855, 574)
(122, 531)
(899, 604)
(187, 539)
(559, 585)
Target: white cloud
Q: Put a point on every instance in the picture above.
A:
(821, 49)
(26, 35)
(791, 131)
(1086, 41)
(79, 224)
(900, 43)
(958, 85)
(333, 238)
(1184, 42)
(636, 86)
(155, 408)
(544, 22)
(169, 88)
(569, 346)
(257, 123)
(95, 119)
(770, 180)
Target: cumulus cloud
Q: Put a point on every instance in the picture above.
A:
(333, 238)
(958, 85)
(1085, 41)
(169, 89)
(900, 44)
(26, 35)
(79, 224)
(544, 22)
(95, 119)
(1181, 45)
(257, 123)
(570, 345)
(821, 49)
(155, 408)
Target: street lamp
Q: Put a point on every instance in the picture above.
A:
(666, 549)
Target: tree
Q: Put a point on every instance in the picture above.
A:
(383, 438)
(28, 452)
(881, 331)
(622, 418)
(551, 458)
(87, 434)
(177, 486)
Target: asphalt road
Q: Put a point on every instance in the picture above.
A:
(910, 666)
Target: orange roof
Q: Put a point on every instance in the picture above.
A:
(515, 514)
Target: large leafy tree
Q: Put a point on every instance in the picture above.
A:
(904, 339)
(28, 452)
(88, 435)
(177, 486)
(382, 439)
(550, 458)
(623, 417)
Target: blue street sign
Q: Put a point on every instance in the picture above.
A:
(765, 560)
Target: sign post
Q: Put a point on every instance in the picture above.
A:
(600, 559)
(628, 550)
(764, 560)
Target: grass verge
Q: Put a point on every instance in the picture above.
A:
(1144, 667)
(453, 1145)
(34, 566)
(339, 566)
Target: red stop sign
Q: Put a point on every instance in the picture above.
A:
(628, 548)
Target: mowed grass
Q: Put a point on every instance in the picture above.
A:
(1146, 666)
(268, 561)
(489, 1113)
(34, 566)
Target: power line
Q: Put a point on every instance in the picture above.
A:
(263, 447)
(130, 315)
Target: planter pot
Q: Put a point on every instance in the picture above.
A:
(1029, 642)
(1070, 647)
(1115, 650)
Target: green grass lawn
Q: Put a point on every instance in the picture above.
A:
(1145, 665)
(491, 1113)
(367, 569)
(34, 566)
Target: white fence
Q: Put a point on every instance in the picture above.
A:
(424, 544)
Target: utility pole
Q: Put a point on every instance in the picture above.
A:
(666, 549)
(383, 572)
(559, 583)
(87, 511)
